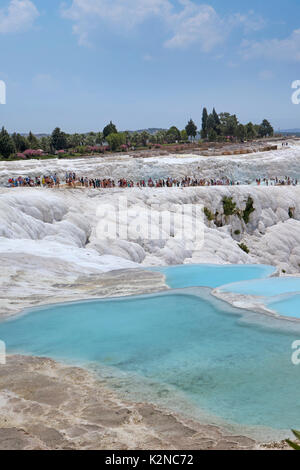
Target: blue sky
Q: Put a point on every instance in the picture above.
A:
(147, 63)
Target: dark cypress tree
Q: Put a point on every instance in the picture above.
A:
(210, 123)
(7, 146)
(217, 122)
(216, 117)
(204, 124)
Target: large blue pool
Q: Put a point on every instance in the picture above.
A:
(182, 349)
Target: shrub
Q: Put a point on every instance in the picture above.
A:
(92, 148)
(32, 153)
(244, 248)
(81, 149)
(229, 206)
(237, 232)
(248, 210)
(291, 212)
(210, 216)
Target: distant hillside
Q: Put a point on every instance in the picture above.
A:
(39, 136)
(151, 130)
(290, 131)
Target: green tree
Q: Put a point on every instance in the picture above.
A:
(241, 132)
(191, 129)
(136, 138)
(32, 141)
(115, 140)
(265, 129)
(210, 123)
(212, 135)
(59, 139)
(90, 138)
(183, 136)
(153, 139)
(75, 140)
(99, 138)
(256, 129)
(7, 146)
(204, 124)
(232, 125)
(144, 137)
(216, 121)
(250, 131)
(20, 142)
(173, 135)
(45, 144)
(127, 136)
(109, 129)
(161, 137)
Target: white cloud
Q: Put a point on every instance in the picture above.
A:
(195, 23)
(188, 24)
(86, 14)
(129, 12)
(18, 16)
(287, 49)
(250, 21)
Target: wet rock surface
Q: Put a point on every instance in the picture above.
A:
(47, 405)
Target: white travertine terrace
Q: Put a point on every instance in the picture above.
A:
(49, 244)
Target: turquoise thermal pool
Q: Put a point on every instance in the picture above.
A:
(183, 349)
(265, 287)
(288, 306)
(211, 275)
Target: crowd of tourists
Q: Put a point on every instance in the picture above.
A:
(74, 181)
(286, 181)
(49, 181)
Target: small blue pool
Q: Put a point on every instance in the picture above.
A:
(210, 275)
(265, 287)
(289, 306)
